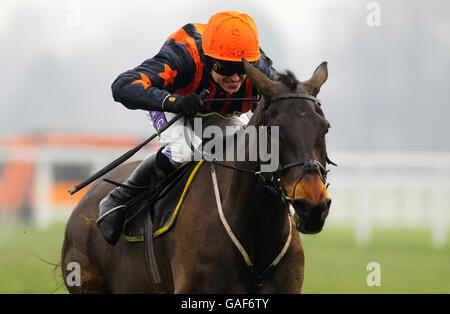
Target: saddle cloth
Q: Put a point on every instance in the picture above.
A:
(163, 204)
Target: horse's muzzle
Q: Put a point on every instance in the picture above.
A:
(311, 217)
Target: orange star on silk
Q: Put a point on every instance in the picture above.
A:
(145, 81)
(168, 75)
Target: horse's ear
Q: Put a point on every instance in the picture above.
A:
(318, 78)
(259, 79)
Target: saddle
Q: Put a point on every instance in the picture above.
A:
(161, 202)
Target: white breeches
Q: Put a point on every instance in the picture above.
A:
(177, 139)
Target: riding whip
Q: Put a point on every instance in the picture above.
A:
(130, 153)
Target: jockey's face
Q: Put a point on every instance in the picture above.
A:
(230, 84)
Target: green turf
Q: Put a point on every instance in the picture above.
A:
(24, 256)
(334, 262)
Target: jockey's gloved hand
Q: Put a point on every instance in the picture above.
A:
(187, 105)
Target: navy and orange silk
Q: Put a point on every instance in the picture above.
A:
(178, 68)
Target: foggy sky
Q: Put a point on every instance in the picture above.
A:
(387, 86)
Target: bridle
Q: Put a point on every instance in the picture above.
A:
(308, 166)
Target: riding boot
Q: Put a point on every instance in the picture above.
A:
(113, 208)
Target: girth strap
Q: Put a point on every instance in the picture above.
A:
(258, 279)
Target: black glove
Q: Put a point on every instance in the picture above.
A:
(187, 105)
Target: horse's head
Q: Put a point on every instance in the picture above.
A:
(292, 106)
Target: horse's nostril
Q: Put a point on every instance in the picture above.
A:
(308, 210)
(311, 216)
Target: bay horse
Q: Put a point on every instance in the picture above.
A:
(198, 255)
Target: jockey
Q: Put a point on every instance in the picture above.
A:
(194, 58)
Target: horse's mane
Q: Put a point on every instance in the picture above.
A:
(288, 78)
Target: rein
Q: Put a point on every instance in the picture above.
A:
(254, 100)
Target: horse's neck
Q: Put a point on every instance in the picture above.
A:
(256, 215)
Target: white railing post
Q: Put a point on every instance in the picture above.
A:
(438, 211)
(42, 211)
(362, 212)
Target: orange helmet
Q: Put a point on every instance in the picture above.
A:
(231, 36)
